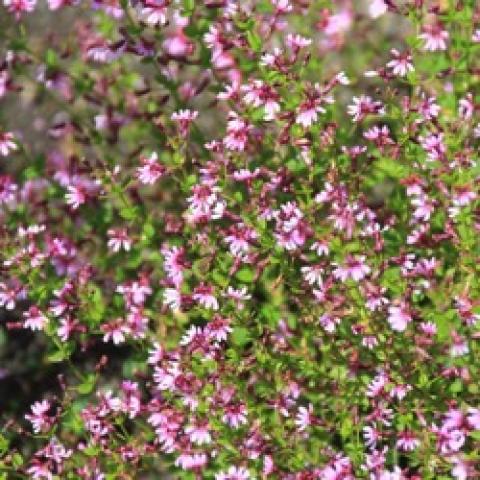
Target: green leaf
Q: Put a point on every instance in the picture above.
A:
(346, 428)
(456, 386)
(93, 304)
(60, 355)
(391, 168)
(129, 213)
(51, 58)
(245, 275)
(240, 336)
(188, 7)
(87, 386)
(254, 41)
(17, 460)
(445, 324)
(475, 434)
(3, 444)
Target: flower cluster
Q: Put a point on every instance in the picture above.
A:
(248, 244)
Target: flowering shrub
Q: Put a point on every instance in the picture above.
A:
(247, 244)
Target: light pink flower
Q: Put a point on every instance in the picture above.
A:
(354, 268)
(304, 418)
(399, 317)
(7, 144)
(184, 118)
(435, 37)
(20, 6)
(233, 473)
(407, 441)
(235, 415)
(203, 294)
(377, 8)
(34, 319)
(118, 239)
(151, 170)
(39, 419)
(401, 64)
(363, 106)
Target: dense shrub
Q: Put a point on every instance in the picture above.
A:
(239, 239)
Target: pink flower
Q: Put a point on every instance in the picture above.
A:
(259, 94)
(203, 294)
(151, 170)
(433, 145)
(218, 328)
(39, 419)
(473, 418)
(178, 45)
(398, 317)
(20, 6)
(354, 268)
(296, 42)
(34, 319)
(381, 136)
(434, 37)
(154, 12)
(8, 190)
(239, 239)
(400, 391)
(7, 143)
(338, 23)
(291, 229)
(314, 104)
(401, 64)
(235, 415)
(199, 433)
(174, 263)
(112, 7)
(80, 190)
(238, 295)
(377, 386)
(282, 6)
(237, 132)
(313, 274)
(304, 418)
(173, 298)
(428, 328)
(328, 322)
(371, 435)
(459, 346)
(463, 196)
(233, 473)
(205, 202)
(407, 441)
(76, 196)
(466, 107)
(184, 118)
(115, 331)
(424, 207)
(10, 293)
(119, 239)
(191, 461)
(320, 248)
(428, 108)
(377, 8)
(66, 328)
(363, 106)
(135, 293)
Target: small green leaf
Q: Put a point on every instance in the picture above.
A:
(246, 275)
(87, 386)
(240, 336)
(254, 41)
